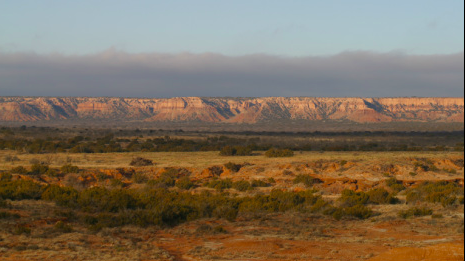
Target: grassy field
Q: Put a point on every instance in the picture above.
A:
(205, 159)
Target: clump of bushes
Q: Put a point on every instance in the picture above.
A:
(19, 170)
(141, 162)
(274, 153)
(260, 183)
(356, 211)
(164, 207)
(242, 185)
(68, 168)
(220, 184)
(185, 183)
(443, 192)
(381, 196)
(307, 180)
(166, 180)
(415, 212)
(351, 198)
(233, 167)
(139, 178)
(395, 185)
(39, 169)
(425, 165)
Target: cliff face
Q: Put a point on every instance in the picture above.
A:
(234, 110)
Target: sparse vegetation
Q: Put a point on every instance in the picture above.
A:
(232, 166)
(274, 153)
(307, 180)
(443, 192)
(416, 212)
(141, 162)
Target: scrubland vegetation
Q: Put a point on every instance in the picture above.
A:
(50, 140)
(242, 188)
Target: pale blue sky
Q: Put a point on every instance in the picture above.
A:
(239, 27)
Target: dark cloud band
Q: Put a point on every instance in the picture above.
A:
(113, 73)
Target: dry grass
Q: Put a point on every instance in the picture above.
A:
(205, 159)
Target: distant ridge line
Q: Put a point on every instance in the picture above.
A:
(233, 109)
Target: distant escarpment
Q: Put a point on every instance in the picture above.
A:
(232, 110)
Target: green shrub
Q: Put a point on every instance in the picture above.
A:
(415, 212)
(51, 173)
(20, 189)
(242, 185)
(395, 185)
(227, 212)
(220, 184)
(185, 183)
(141, 162)
(274, 153)
(68, 168)
(358, 211)
(351, 198)
(37, 169)
(381, 196)
(63, 196)
(307, 180)
(443, 192)
(232, 166)
(117, 183)
(167, 179)
(139, 178)
(19, 170)
(259, 183)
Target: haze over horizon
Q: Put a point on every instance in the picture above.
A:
(159, 49)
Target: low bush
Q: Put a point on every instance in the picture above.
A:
(139, 178)
(274, 153)
(307, 180)
(242, 185)
(443, 192)
(220, 184)
(68, 168)
(415, 212)
(141, 162)
(38, 169)
(185, 183)
(381, 196)
(19, 170)
(20, 189)
(395, 185)
(260, 183)
(232, 166)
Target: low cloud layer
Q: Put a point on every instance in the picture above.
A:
(118, 74)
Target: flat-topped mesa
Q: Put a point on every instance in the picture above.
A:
(233, 110)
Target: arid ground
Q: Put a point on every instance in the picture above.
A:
(42, 230)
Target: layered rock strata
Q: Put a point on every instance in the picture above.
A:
(233, 110)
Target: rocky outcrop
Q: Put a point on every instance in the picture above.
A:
(233, 110)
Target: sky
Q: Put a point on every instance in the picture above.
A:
(231, 48)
